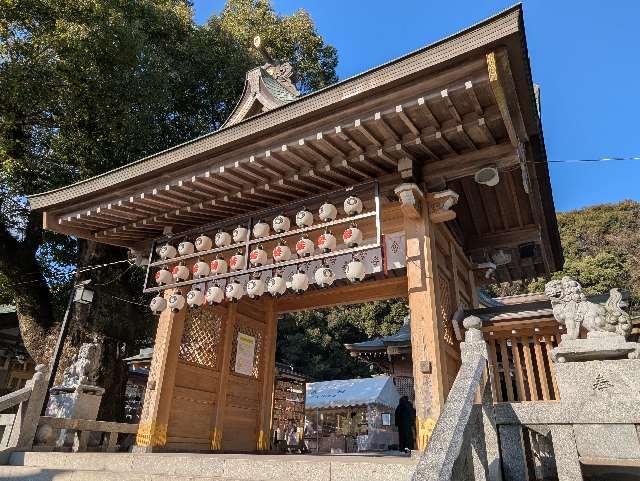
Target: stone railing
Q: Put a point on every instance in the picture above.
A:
(80, 431)
(20, 428)
(464, 444)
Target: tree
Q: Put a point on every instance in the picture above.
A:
(89, 86)
(313, 341)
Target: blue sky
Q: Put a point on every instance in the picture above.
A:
(584, 54)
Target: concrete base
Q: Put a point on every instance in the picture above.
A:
(220, 467)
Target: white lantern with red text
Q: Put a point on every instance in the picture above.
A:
(219, 265)
(203, 243)
(352, 205)
(200, 269)
(304, 218)
(258, 256)
(328, 212)
(304, 246)
(299, 282)
(324, 276)
(215, 294)
(355, 270)
(158, 304)
(352, 236)
(276, 285)
(237, 261)
(234, 290)
(261, 229)
(167, 251)
(255, 287)
(281, 252)
(281, 223)
(222, 239)
(195, 297)
(176, 301)
(240, 234)
(164, 276)
(185, 248)
(180, 272)
(327, 241)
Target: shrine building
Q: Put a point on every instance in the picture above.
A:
(422, 178)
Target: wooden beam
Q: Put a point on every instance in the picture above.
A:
(504, 91)
(450, 105)
(500, 156)
(471, 93)
(507, 238)
(367, 291)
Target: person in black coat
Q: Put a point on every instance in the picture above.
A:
(405, 420)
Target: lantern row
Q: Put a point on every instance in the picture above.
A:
(258, 257)
(256, 286)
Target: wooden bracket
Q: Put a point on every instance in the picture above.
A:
(411, 198)
(440, 204)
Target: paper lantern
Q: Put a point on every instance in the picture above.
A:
(237, 262)
(258, 256)
(219, 265)
(281, 252)
(195, 297)
(167, 251)
(203, 243)
(180, 272)
(200, 269)
(352, 236)
(326, 242)
(304, 218)
(158, 304)
(304, 247)
(324, 276)
(164, 276)
(260, 229)
(255, 287)
(222, 239)
(352, 205)
(240, 234)
(328, 212)
(234, 290)
(215, 294)
(185, 248)
(276, 285)
(281, 223)
(299, 282)
(355, 270)
(176, 301)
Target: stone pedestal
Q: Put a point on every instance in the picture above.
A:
(79, 402)
(600, 372)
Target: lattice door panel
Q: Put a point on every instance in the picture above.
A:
(201, 340)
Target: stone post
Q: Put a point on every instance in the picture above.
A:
(28, 414)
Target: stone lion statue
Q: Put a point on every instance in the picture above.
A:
(85, 369)
(571, 308)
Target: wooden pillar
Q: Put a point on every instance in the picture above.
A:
(152, 430)
(268, 376)
(221, 396)
(426, 334)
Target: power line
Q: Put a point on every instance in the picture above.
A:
(77, 271)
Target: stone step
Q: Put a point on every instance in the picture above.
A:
(227, 467)
(30, 473)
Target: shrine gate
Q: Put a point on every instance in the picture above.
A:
(440, 157)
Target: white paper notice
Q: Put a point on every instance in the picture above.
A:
(245, 354)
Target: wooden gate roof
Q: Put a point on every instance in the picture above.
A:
(452, 107)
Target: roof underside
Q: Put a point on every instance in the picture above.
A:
(444, 107)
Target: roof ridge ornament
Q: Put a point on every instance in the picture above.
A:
(265, 87)
(281, 71)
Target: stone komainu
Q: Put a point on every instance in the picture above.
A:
(571, 308)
